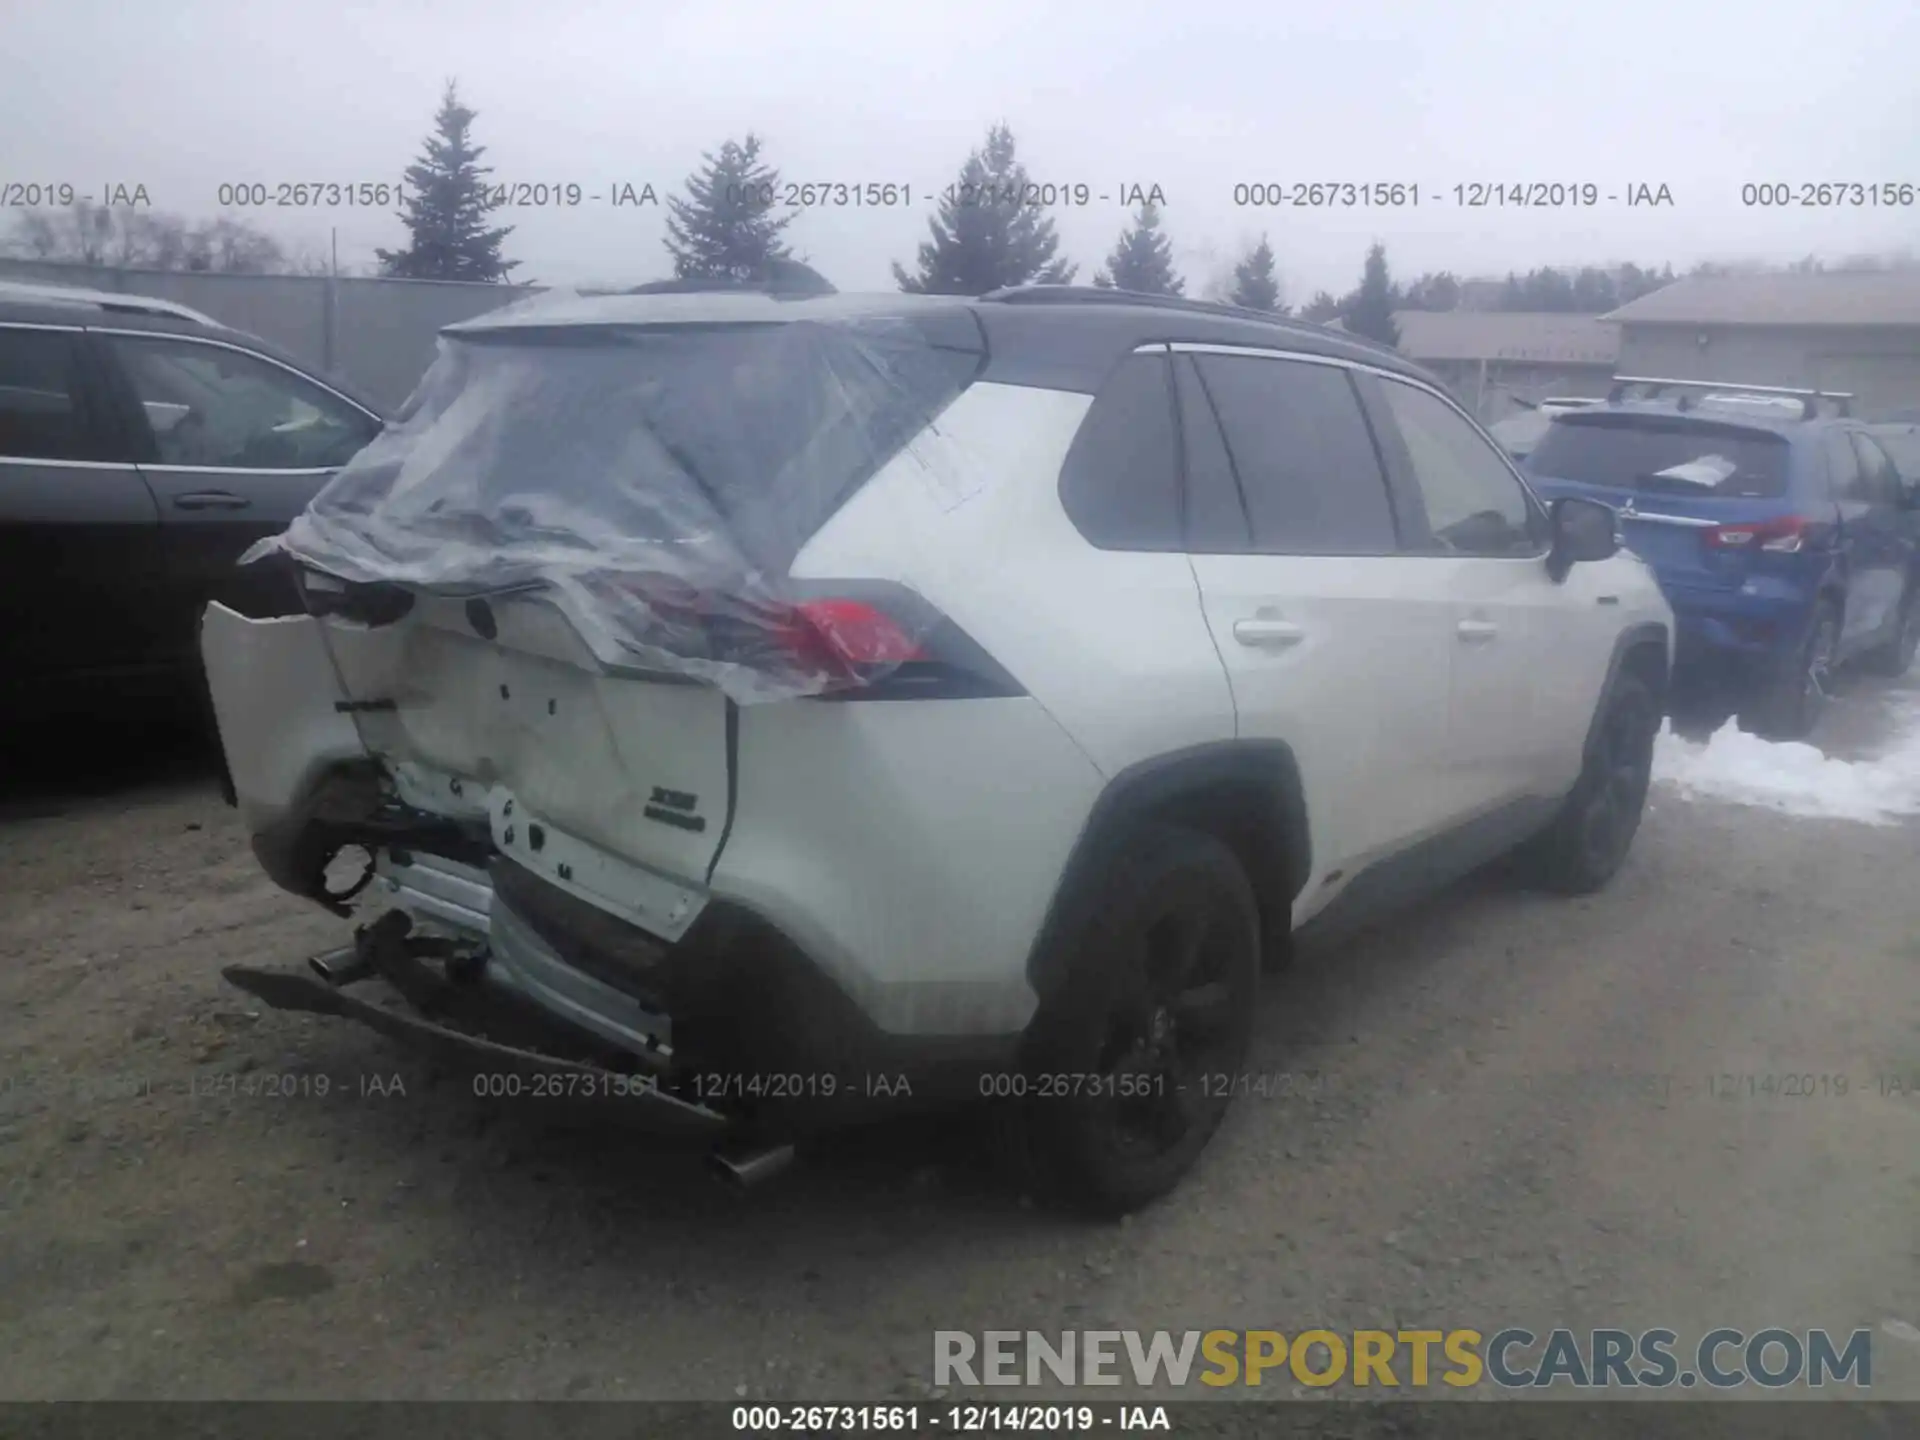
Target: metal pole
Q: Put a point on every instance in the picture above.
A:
(327, 313)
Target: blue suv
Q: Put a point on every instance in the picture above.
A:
(1782, 535)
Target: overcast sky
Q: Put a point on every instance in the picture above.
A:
(182, 95)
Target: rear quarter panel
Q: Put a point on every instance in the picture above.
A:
(1114, 645)
(915, 846)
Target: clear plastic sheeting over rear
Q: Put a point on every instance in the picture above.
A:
(654, 482)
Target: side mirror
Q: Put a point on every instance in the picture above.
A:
(1582, 530)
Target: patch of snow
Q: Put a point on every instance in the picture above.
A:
(1796, 778)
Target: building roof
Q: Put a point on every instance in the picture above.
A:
(1551, 338)
(1880, 297)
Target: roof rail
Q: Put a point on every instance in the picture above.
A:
(112, 301)
(1103, 295)
(1654, 385)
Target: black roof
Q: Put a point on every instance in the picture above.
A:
(1063, 337)
(1028, 343)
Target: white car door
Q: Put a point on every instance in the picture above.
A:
(1528, 651)
(1333, 641)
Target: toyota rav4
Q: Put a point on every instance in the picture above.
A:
(767, 709)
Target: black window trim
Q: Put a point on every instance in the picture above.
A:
(1404, 497)
(1397, 514)
(94, 395)
(132, 397)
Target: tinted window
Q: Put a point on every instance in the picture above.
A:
(40, 412)
(1300, 454)
(1518, 434)
(1475, 505)
(1662, 454)
(1120, 483)
(1879, 481)
(207, 405)
(1843, 467)
(1217, 522)
(1903, 444)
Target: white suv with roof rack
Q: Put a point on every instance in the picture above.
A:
(771, 710)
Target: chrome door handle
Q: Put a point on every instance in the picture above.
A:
(211, 500)
(1476, 632)
(1268, 634)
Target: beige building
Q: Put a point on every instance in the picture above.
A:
(1850, 332)
(1490, 357)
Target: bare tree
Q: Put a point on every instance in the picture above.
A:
(236, 247)
(82, 234)
(89, 234)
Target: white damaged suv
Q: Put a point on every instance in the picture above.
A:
(770, 711)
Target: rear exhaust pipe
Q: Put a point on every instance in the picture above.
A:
(341, 967)
(742, 1169)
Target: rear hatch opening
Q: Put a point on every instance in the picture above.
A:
(548, 585)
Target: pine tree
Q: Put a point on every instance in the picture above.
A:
(1142, 261)
(446, 206)
(983, 237)
(1432, 291)
(726, 228)
(1255, 286)
(1322, 308)
(1369, 310)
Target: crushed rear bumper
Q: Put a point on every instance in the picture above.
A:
(730, 1034)
(497, 1069)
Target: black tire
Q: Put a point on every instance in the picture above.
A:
(1124, 1068)
(1895, 658)
(1588, 840)
(1793, 696)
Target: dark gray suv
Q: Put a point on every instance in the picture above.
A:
(143, 447)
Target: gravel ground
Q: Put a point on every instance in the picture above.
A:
(1501, 1114)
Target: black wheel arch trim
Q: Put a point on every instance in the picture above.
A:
(1264, 770)
(1635, 637)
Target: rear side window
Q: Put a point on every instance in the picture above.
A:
(1657, 454)
(1120, 481)
(211, 406)
(1879, 481)
(1299, 455)
(41, 414)
(1843, 468)
(1904, 446)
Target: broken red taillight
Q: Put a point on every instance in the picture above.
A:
(852, 632)
(884, 641)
